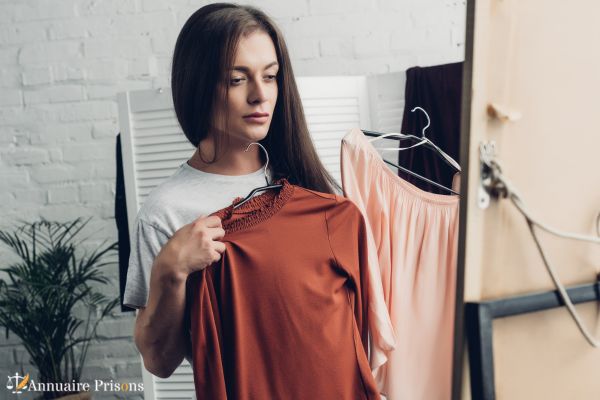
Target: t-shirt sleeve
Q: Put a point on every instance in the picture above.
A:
(146, 243)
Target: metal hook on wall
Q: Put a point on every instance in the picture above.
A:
(490, 184)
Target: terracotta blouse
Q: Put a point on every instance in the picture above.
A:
(283, 314)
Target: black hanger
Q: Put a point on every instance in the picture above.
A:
(254, 191)
(261, 188)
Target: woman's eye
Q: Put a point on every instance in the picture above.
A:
(271, 76)
(235, 81)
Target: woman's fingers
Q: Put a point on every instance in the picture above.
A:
(212, 222)
(219, 246)
(216, 233)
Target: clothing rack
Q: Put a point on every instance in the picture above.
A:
(479, 318)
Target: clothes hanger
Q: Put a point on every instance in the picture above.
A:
(423, 140)
(262, 188)
(408, 171)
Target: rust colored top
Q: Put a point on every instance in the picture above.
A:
(283, 313)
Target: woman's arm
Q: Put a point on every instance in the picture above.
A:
(159, 332)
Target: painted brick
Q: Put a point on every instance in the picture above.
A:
(59, 133)
(70, 29)
(106, 7)
(94, 192)
(36, 75)
(63, 194)
(67, 72)
(90, 110)
(25, 156)
(10, 76)
(372, 44)
(49, 52)
(22, 33)
(54, 94)
(11, 97)
(31, 196)
(44, 9)
(88, 151)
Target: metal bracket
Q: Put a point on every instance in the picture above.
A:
(489, 183)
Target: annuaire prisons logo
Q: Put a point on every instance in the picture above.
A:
(18, 384)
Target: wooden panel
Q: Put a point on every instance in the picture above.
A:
(523, 61)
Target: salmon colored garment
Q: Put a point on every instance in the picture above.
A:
(415, 233)
(283, 314)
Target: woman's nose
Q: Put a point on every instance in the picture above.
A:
(257, 93)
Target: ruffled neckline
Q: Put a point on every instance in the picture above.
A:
(257, 209)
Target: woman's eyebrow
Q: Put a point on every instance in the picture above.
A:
(246, 69)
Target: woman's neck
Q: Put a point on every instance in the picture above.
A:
(233, 160)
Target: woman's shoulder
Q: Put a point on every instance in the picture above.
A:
(160, 202)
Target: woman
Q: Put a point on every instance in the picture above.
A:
(232, 84)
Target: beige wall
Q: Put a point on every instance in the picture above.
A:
(541, 59)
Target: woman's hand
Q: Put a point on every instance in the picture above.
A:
(159, 332)
(194, 246)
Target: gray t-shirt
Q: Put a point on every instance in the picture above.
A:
(186, 195)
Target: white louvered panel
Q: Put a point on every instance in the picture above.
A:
(153, 146)
(180, 385)
(389, 115)
(152, 182)
(162, 146)
(167, 146)
(331, 127)
(153, 140)
(330, 110)
(173, 393)
(153, 174)
(157, 130)
(143, 126)
(156, 155)
(332, 106)
(158, 165)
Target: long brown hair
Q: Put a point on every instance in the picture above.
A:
(204, 52)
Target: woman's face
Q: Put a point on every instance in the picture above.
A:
(253, 88)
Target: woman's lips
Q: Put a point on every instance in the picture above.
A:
(257, 120)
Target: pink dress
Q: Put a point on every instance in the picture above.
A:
(414, 234)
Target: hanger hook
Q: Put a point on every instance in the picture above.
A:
(267, 163)
(428, 120)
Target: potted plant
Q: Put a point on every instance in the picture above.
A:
(40, 294)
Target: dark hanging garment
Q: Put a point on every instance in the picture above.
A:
(438, 90)
(122, 226)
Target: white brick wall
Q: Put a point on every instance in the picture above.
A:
(62, 62)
